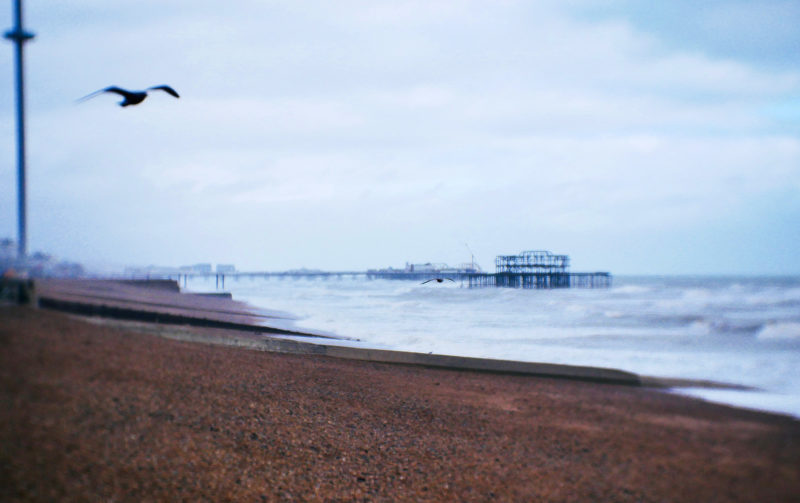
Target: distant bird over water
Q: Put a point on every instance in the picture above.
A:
(438, 280)
(131, 97)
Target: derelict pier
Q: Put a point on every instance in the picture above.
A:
(537, 269)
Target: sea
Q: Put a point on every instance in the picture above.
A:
(737, 330)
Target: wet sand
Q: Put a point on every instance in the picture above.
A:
(96, 412)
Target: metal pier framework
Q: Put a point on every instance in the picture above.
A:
(537, 269)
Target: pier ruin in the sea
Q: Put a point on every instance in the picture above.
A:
(537, 269)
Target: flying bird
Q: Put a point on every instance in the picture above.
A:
(131, 97)
(438, 280)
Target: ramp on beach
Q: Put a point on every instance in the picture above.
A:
(159, 301)
(158, 306)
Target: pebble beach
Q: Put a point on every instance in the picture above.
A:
(107, 412)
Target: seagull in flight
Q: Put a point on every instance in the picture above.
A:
(131, 97)
(438, 280)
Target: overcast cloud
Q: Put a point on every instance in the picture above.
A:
(637, 138)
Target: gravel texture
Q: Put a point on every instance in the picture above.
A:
(91, 412)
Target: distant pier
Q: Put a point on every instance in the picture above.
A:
(530, 269)
(537, 269)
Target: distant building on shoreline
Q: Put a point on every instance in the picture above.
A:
(37, 264)
(157, 271)
(203, 268)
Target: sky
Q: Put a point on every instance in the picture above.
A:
(637, 137)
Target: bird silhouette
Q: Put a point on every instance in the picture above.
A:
(130, 97)
(438, 280)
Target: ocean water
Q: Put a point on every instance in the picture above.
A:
(737, 330)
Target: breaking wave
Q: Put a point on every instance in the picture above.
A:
(788, 331)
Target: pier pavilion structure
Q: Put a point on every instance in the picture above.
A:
(538, 269)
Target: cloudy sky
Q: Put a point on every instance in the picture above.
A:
(635, 136)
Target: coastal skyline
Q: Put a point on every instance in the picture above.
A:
(635, 138)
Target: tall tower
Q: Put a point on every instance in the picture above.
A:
(19, 36)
